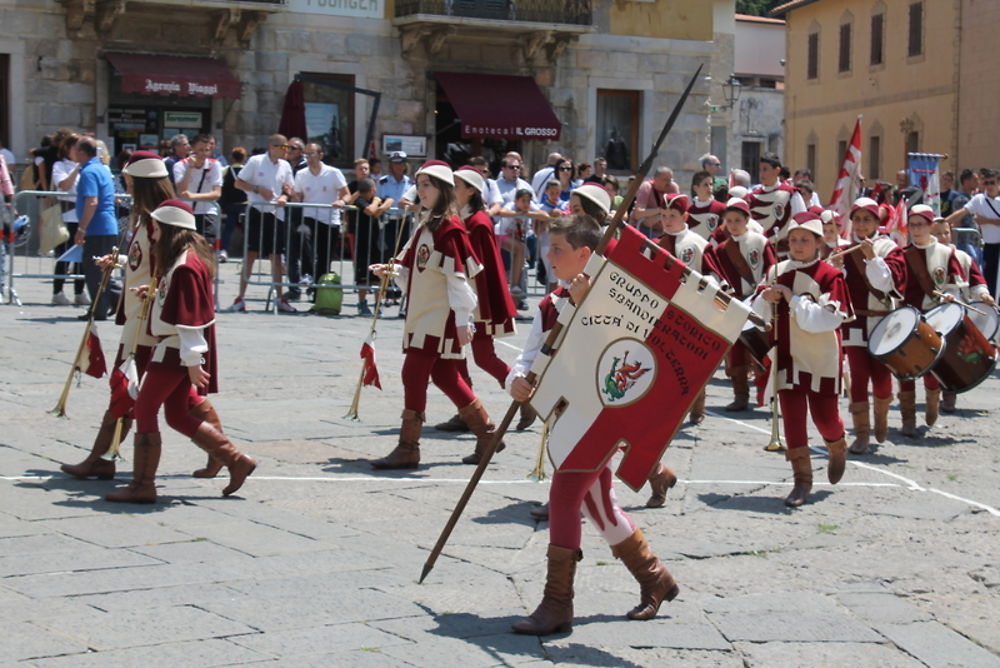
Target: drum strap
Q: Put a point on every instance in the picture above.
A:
(736, 258)
(858, 265)
(918, 266)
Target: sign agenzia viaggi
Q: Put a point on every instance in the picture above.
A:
(631, 359)
(370, 9)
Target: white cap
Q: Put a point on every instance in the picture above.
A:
(738, 191)
(174, 212)
(439, 170)
(471, 177)
(596, 194)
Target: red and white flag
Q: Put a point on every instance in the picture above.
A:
(846, 189)
(631, 359)
(91, 360)
(898, 227)
(370, 376)
(124, 383)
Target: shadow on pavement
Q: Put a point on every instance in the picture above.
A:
(771, 505)
(514, 513)
(362, 465)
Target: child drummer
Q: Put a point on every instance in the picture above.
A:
(810, 300)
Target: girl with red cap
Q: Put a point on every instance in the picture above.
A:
(436, 268)
(146, 179)
(182, 322)
(931, 267)
(876, 277)
(810, 301)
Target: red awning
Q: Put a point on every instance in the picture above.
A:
(499, 105)
(174, 75)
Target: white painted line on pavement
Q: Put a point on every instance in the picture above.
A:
(911, 484)
(504, 343)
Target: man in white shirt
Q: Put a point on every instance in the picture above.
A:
(321, 184)
(985, 208)
(547, 172)
(199, 183)
(267, 180)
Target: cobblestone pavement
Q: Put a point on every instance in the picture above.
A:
(316, 561)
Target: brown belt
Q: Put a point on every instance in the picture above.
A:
(870, 314)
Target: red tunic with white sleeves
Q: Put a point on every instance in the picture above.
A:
(809, 360)
(495, 311)
(705, 217)
(184, 306)
(430, 259)
(931, 267)
(772, 209)
(693, 250)
(976, 287)
(872, 302)
(758, 258)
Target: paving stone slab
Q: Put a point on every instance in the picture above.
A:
(24, 640)
(478, 651)
(886, 608)
(289, 643)
(204, 653)
(936, 645)
(824, 654)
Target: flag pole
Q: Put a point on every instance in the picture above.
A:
(352, 412)
(60, 408)
(553, 335)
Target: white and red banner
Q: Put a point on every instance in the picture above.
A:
(370, 373)
(91, 360)
(631, 359)
(845, 191)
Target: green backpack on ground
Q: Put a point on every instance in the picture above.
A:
(329, 295)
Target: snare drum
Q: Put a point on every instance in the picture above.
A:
(905, 343)
(987, 322)
(968, 357)
(755, 340)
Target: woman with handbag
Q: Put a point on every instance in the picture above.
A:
(64, 174)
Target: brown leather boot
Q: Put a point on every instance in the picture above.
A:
(933, 406)
(882, 418)
(555, 613)
(528, 415)
(803, 476)
(656, 584)
(479, 424)
(659, 483)
(697, 414)
(146, 459)
(406, 455)
(838, 460)
(862, 427)
(741, 390)
(948, 401)
(453, 424)
(217, 445)
(908, 410)
(206, 411)
(94, 466)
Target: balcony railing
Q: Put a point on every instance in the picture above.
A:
(573, 12)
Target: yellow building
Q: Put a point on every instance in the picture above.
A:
(897, 62)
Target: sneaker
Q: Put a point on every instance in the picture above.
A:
(238, 306)
(59, 299)
(363, 309)
(81, 299)
(292, 295)
(285, 307)
(306, 279)
(223, 256)
(522, 305)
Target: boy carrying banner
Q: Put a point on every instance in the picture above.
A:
(809, 300)
(572, 241)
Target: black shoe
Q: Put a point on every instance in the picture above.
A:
(293, 295)
(522, 305)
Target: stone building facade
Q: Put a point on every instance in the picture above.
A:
(602, 66)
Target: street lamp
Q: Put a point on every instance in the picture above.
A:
(731, 90)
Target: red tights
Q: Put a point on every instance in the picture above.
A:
(594, 494)
(170, 387)
(421, 366)
(485, 356)
(930, 383)
(142, 355)
(825, 412)
(865, 369)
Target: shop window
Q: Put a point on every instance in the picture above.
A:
(874, 157)
(844, 61)
(916, 33)
(329, 110)
(618, 128)
(878, 35)
(750, 160)
(812, 58)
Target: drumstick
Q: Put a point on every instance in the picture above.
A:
(834, 256)
(938, 293)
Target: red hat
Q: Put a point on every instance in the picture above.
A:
(866, 203)
(923, 211)
(678, 202)
(807, 221)
(146, 165)
(174, 212)
(439, 169)
(738, 204)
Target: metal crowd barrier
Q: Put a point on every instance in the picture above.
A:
(24, 261)
(303, 261)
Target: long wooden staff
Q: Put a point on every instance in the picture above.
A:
(113, 453)
(60, 409)
(553, 335)
(352, 413)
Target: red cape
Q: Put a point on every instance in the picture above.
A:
(496, 307)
